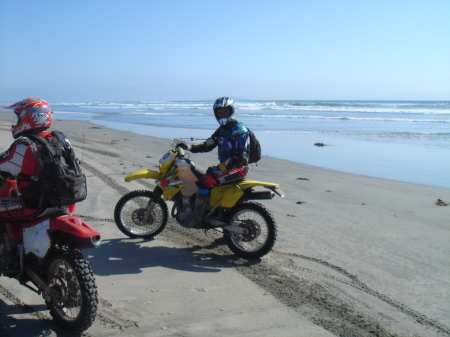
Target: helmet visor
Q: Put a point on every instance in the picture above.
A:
(34, 110)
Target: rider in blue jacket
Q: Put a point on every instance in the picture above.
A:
(233, 142)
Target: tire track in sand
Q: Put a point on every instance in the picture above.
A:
(309, 298)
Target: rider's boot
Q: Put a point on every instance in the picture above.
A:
(201, 202)
(196, 217)
(8, 263)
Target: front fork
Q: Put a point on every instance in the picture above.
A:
(157, 193)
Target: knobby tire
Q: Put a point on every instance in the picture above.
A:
(130, 209)
(263, 227)
(76, 308)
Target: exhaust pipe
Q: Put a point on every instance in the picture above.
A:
(259, 195)
(96, 241)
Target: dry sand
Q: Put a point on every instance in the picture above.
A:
(355, 256)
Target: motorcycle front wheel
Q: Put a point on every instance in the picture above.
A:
(131, 209)
(70, 276)
(261, 227)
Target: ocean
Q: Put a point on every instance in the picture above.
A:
(406, 141)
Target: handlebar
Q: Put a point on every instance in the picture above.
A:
(175, 141)
(179, 151)
(175, 146)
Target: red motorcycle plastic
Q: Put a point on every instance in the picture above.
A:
(50, 263)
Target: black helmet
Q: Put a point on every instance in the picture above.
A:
(224, 102)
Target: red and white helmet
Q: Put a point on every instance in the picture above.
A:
(32, 113)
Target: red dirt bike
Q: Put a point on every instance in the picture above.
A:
(50, 263)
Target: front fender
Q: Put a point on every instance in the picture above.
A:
(143, 174)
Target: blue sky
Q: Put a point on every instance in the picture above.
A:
(123, 50)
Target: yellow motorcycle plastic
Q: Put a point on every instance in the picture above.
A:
(149, 174)
(249, 229)
(223, 196)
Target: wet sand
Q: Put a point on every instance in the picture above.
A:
(355, 256)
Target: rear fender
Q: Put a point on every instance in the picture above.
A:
(148, 174)
(72, 225)
(245, 184)
(69, 229)
(229, 195)
(66, 229)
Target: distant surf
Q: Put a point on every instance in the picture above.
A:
(399, 140)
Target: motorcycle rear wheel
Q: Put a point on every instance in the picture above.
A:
(75, 307)
(130, 210)
(261, 226)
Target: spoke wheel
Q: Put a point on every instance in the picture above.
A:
(70, 276)
(260, 228)
(131, 210)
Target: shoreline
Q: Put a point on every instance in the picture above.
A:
(270, 145)
(377, 249)
(408, 160)
(361, 157)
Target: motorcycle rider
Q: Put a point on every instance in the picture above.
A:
(233, 142)
(20, 162)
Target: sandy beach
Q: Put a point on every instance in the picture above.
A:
(355, 256)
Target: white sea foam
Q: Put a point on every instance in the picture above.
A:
(439, 108)
(365, 132)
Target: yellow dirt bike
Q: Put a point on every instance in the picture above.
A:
(249, 229)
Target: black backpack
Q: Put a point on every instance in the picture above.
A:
(62, 182)
(255, 148)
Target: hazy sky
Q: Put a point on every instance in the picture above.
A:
(122, 50)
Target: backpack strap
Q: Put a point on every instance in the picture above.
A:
(23, 141)
(41, 140)
(56, 136)
(62, 138)
(38, 138)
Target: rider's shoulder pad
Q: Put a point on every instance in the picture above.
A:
(238, 129)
